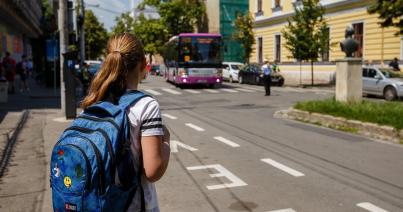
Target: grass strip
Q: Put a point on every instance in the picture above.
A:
(383, 113)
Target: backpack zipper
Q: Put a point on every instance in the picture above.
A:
(97, 119)
(87, 163)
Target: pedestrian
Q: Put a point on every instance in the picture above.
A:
(9, 71)
(22, 70)
(122, 71)
(395, 64)
(266, 68)
(30, 68)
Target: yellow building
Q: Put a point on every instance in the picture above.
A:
(376, 44)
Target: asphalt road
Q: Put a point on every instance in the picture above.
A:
(230, 154)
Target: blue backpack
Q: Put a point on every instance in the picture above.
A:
(91, 164)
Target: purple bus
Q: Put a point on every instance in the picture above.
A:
(192, 59)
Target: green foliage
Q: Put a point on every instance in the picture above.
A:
(124, 23)
(152, 33)
(244, 34)
(306, 34)
(96, 36)
(179, 16)
(390, 12)
(384, 113)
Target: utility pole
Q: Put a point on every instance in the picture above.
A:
(63, 36)
(82, 35)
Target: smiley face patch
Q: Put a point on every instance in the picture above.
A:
(67, 182)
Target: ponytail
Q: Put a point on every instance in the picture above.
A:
(125, 52)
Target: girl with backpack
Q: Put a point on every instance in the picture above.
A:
(121, 73)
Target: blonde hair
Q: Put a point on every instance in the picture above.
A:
(125, 53)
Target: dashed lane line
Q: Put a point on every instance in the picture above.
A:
(197, 128)
(192, 91)
(245, 90)
(152, 92)
(283, 168)
(226, 141)
(169, 116)
(284, 210)
(211, 91)
(171, 91)
(229, 90)
(370, 207)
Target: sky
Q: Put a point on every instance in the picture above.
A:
(114, 7)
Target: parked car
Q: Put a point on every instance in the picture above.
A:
(231, 70)
(253, 74)
(155, 70)
(382, 82)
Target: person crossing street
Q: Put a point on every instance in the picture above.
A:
(267, 77)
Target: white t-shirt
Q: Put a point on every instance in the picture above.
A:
(145, 119)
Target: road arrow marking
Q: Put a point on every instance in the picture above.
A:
(282, 167)
(226, 141)
(174, 146)
(222, 172)
(370, 207)
(197, 128)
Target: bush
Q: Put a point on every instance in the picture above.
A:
(383, 113)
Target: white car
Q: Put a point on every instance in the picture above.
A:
(230, 71)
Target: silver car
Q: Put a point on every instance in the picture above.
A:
(382, 82)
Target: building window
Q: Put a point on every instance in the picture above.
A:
(277, 48)
(326, 49)
(259, 11)
(260, 50)
(359, 36)
(277, 3)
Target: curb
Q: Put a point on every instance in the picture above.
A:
(372, 130)
(10, 130)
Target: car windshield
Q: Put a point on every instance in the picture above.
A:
(200, 50)
(235, 67)
(389, 73)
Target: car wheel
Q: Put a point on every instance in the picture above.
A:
(231, 80)
(281, 83)
(390, 94)
(240, 80)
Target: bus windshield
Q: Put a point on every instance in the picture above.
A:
(200, 51)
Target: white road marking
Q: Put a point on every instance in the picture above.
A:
(171, 91)
(370, 207)
(226, 141)
(256, 89)
(244, 90)
(282, 167)
(211, 91)
(222, 172)
(284, 210)
(197, 128)
(169, 116)
(229, 90)
(174, 146)
(192, 91)
(152, 92)
(62, 120)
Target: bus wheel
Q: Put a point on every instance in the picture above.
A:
(210, 86)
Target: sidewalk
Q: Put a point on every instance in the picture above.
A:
(25, 153)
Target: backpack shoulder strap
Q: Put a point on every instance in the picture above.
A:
(130, 98)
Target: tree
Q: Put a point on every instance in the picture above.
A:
(152, 33)
(244, 34)
(124, 23)
(390, 12)
(96, 36)
(180, 16)
(306, 34)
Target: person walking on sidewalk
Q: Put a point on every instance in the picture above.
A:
(22, 70)
(266, 68)
(122, 71)
(9, 69)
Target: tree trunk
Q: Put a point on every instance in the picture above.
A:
(300, 73)
(150, 58)
(312, 72)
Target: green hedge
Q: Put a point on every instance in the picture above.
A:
(383, 113)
